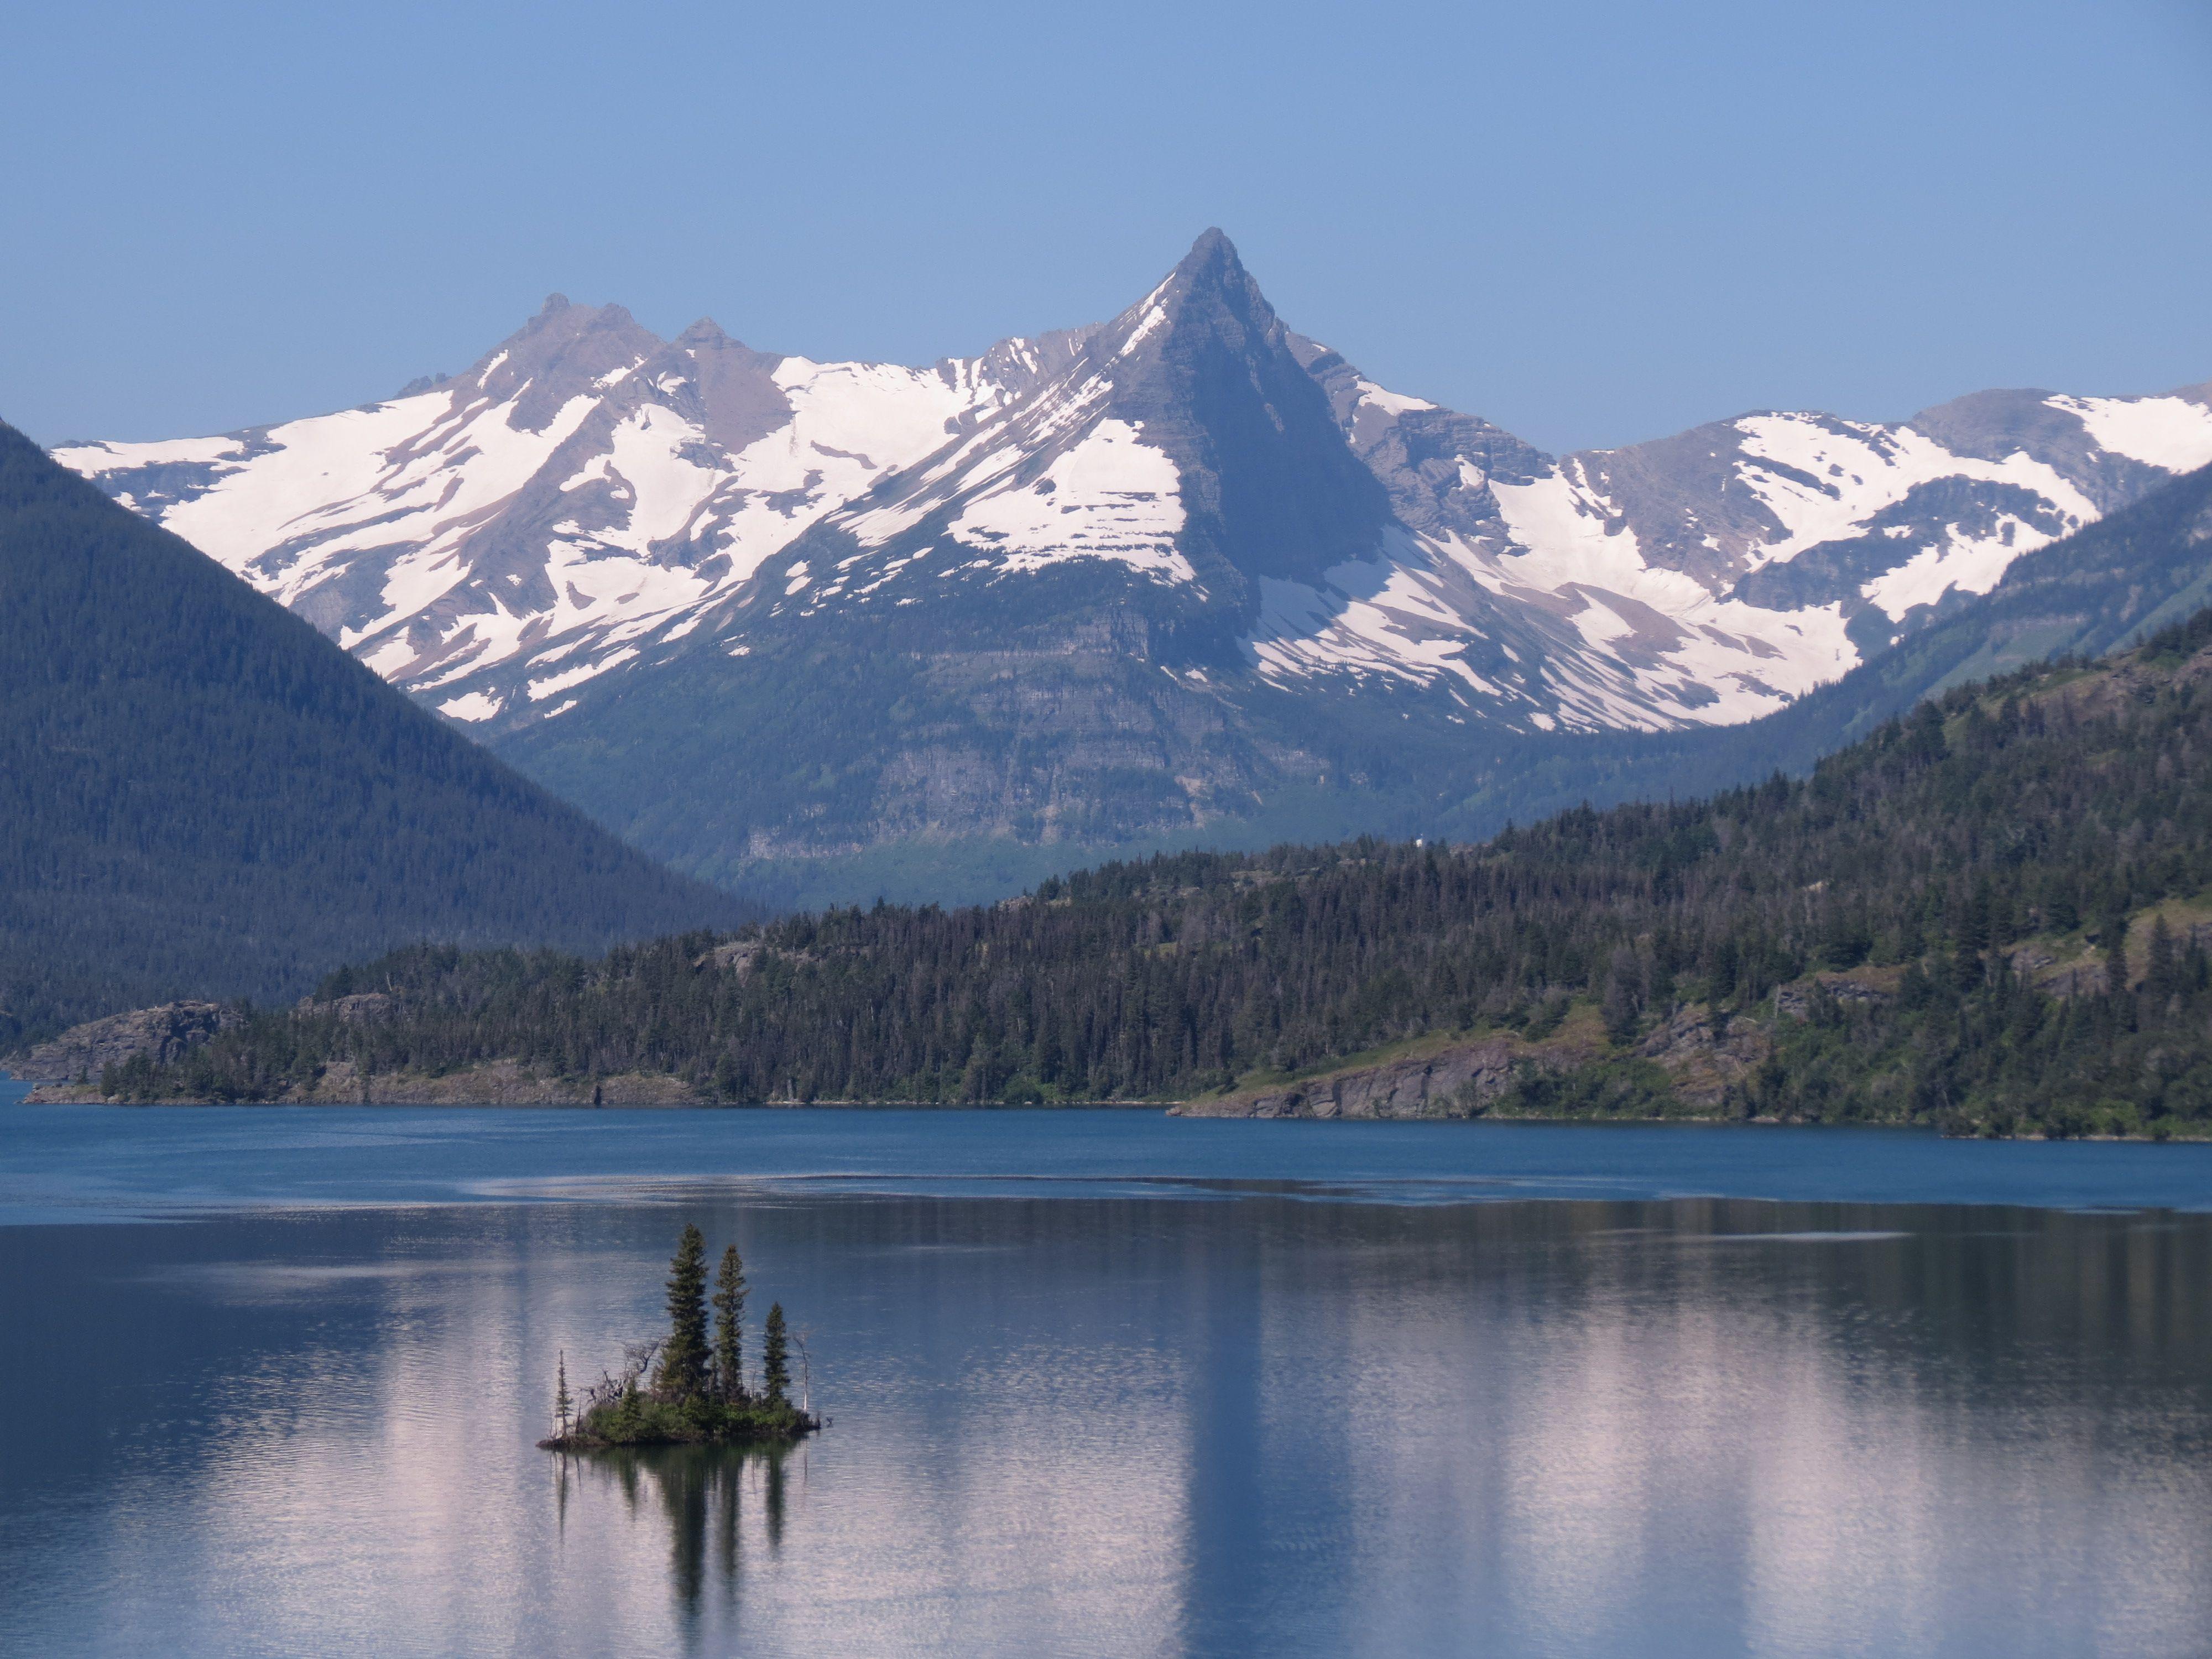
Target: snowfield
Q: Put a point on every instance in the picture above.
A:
(588, 495)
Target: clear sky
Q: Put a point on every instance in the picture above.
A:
(1592, 221)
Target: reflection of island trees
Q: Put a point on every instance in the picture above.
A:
(704, 1492)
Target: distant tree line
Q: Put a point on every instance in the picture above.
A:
(2054, 805)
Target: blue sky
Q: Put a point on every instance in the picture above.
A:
(1593, 221)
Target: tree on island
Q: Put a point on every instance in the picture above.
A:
(729, 1329)
(676, 1389)
(683, 1358)
(775, 1361)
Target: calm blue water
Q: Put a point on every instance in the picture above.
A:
(73, 1163)
(1107, 1384)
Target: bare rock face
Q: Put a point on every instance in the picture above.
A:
(161, 1033)
(1796, 1001)
(358, 1009)
(1455, 1082)
(1703, 1052)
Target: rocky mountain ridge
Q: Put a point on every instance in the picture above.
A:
(1124, 581)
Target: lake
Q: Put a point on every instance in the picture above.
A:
(1107, 1384)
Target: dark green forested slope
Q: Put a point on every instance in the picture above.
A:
(1986, 914)
(201, 795)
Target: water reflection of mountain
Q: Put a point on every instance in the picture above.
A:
(706, 1495)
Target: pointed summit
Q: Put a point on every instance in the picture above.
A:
(1206, 369)
(706, 332)
(1213, 266)
(1213, 247)
(1209, 290)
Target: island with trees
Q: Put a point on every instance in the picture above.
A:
(689, 1388)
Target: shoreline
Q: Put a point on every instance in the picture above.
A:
(1179, 1109)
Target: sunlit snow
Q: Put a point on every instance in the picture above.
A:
(1111, 496)
(476, 706)
(2174, 433)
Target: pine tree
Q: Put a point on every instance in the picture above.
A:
(2161, 971)
(562, 1404)
(684, 1361)
(729, 1328)
(1624, 995)
(775, 1362)
(2115, 935)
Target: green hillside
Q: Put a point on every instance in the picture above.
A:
(1990, 914)
(200, 795)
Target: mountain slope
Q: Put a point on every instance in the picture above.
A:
(1184, 574)
(2094, 592)
(200, 795)
(1993, 916)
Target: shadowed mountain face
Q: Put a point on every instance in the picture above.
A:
(1183, 574)
(200, 796)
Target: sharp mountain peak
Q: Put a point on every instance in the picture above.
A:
(1186, 486)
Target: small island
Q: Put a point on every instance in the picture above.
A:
(681, 1390)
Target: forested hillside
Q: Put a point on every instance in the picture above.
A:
(1989, 914)
(200, 795)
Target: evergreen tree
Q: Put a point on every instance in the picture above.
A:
(563, 1406)
(1624, 995)
(776, 1362)
(683, 1360)
(2161, 969)
(729, 1328)
(2115, 934)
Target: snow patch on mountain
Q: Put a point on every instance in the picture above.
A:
(1972, 564)
(1834, 475)
(2174, 433)
(1109, 497)
(650, 458)
(1752, 659)
(472, 706)
(96, 459)
(1393, 403)
(1615, 642)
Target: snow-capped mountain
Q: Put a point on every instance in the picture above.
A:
(493, 541)
(1185, 545)
(584, 486)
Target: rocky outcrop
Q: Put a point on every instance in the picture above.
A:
(1866, 987)
(358, 1009)
(1703, 1052)
(1458, 1081)
(494, 1083)
(161, 1034)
